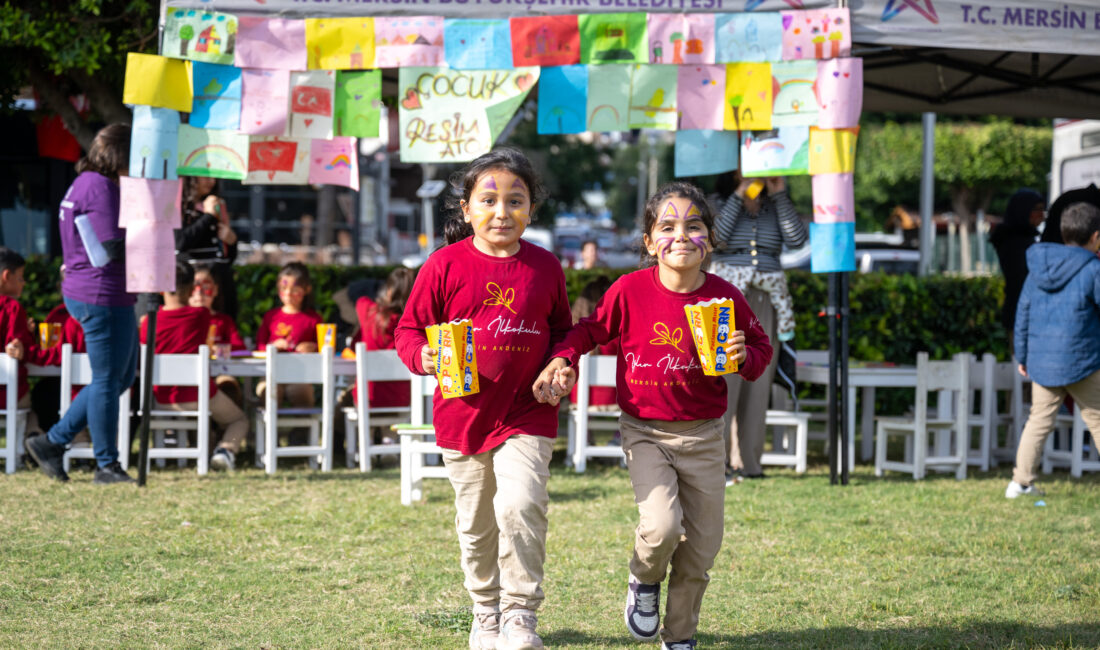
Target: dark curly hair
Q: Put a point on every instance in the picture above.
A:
(684, 191)
(463, 182)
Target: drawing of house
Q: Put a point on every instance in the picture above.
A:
(209, 41)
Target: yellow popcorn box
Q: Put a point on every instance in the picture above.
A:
(711, 325)
(455, 361)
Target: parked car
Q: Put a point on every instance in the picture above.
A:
(890, 260)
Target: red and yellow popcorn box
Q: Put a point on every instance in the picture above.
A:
(455, 361)
(711, 324)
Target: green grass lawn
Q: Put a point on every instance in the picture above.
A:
(311, 560)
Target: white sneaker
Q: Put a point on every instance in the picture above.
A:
(678, 645)
(517, 630)
(1014, 490)
(223, 460)
(485, 628)
(643, 618)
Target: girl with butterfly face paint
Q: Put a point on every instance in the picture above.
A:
(672, 412)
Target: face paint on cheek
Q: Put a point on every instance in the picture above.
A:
(700, 242)
(664, 245)
(522, 216)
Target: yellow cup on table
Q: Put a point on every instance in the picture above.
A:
(49, 335)
(326, 335)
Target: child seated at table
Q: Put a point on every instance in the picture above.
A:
(14, 326)
(45, 394)
(223, 331)
(181, 329)
(291, 328)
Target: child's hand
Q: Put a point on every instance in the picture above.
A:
(548, 386)
(1022, 370)
(14, 349)
(280, 344)
(427, 359)
(306, 346)
(775, 184)
(195, 299)
(736, 347)
(564, 380)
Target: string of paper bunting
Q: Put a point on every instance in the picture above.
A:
(282, 101)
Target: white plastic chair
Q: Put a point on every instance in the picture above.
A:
(787, 450)
(181, 370)
(592, 370)
(373, 365)
(76, 370)
(297, 368)
(14, 419)
(946, 449)
(418, 448)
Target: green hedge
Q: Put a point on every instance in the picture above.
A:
(892, 316)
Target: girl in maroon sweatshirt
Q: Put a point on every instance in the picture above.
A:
(497, 442)
(672, 413)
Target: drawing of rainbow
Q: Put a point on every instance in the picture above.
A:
(766, 146)
(339, 161)
(596, 110)
(215, 160)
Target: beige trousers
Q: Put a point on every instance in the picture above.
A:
(747, 401)
(1045, 402)
(676, 469)
(500, 514)
(226, 414)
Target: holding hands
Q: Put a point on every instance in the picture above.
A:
(554, 382)
(14, 349)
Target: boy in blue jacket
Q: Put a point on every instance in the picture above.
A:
(1058, 336)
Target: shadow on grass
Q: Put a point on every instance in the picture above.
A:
(978, 634)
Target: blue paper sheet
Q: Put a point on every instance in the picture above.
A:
(703, 152)
(563, 99)
(755, 37)
(154, 143)
(832, 247)
(477, 44)
(217, 103)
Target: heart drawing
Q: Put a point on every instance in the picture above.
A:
(523, 81)
(411, 101)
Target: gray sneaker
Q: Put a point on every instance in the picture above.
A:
(47, 455)
(223, 460)
(643, 619)
(517, 630)
(485, 628)
(112, 473)
(678, 645)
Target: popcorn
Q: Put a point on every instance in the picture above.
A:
(711, 324)
(455, 361)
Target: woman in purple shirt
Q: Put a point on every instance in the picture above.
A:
(94, 289)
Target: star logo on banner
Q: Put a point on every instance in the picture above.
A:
(922, 7)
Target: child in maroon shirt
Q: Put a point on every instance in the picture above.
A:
(291, 328)
(672, 412)
(222, 330)
(181, 329)
(19, 343)
(377, 322)
(497, 442)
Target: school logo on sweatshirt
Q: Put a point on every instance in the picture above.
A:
(667, 337)
(498, 296)
(283, 330)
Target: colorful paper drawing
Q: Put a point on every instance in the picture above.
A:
(681, 38)
(340, 43)
(217, 103)
(832, 247)
(795, 103)
(653, 97)
(700, 96)
(775, 5)
(563, 99)
(271, 43)
(154, 143)
(779, 152)
(839, 92)
(408, 41)
(705, 152)
(334, 162)
(613, 38)
(149, 210)
(834, 198)
(265, 98)
(199, 35)
(153, 80)
(608, 98)
(833, 151)
(748, 37)
(456, 115)
(311, 103)
(816, 34)
(358, 107)
(545, 40)
(477, 44)
(274, 160)
(205, 152)
(748, 105)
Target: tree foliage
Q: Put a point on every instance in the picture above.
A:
(65, 48)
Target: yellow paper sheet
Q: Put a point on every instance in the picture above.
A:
(833, 151)
(339, 43)
(749, 87)
(153, 80)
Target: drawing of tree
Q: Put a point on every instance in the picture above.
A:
(145, 151)
(187, 32)
(735, 104)
(231, 28)
(677, 39)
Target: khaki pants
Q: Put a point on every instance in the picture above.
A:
(500, 503)
(226, 414)
(297, 395)
(676, 469)
(1045, 402)
(747, 401)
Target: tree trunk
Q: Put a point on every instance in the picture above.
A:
(105, 100)
(57, 102)
(961, 199)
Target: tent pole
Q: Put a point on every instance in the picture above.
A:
(927, 178)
